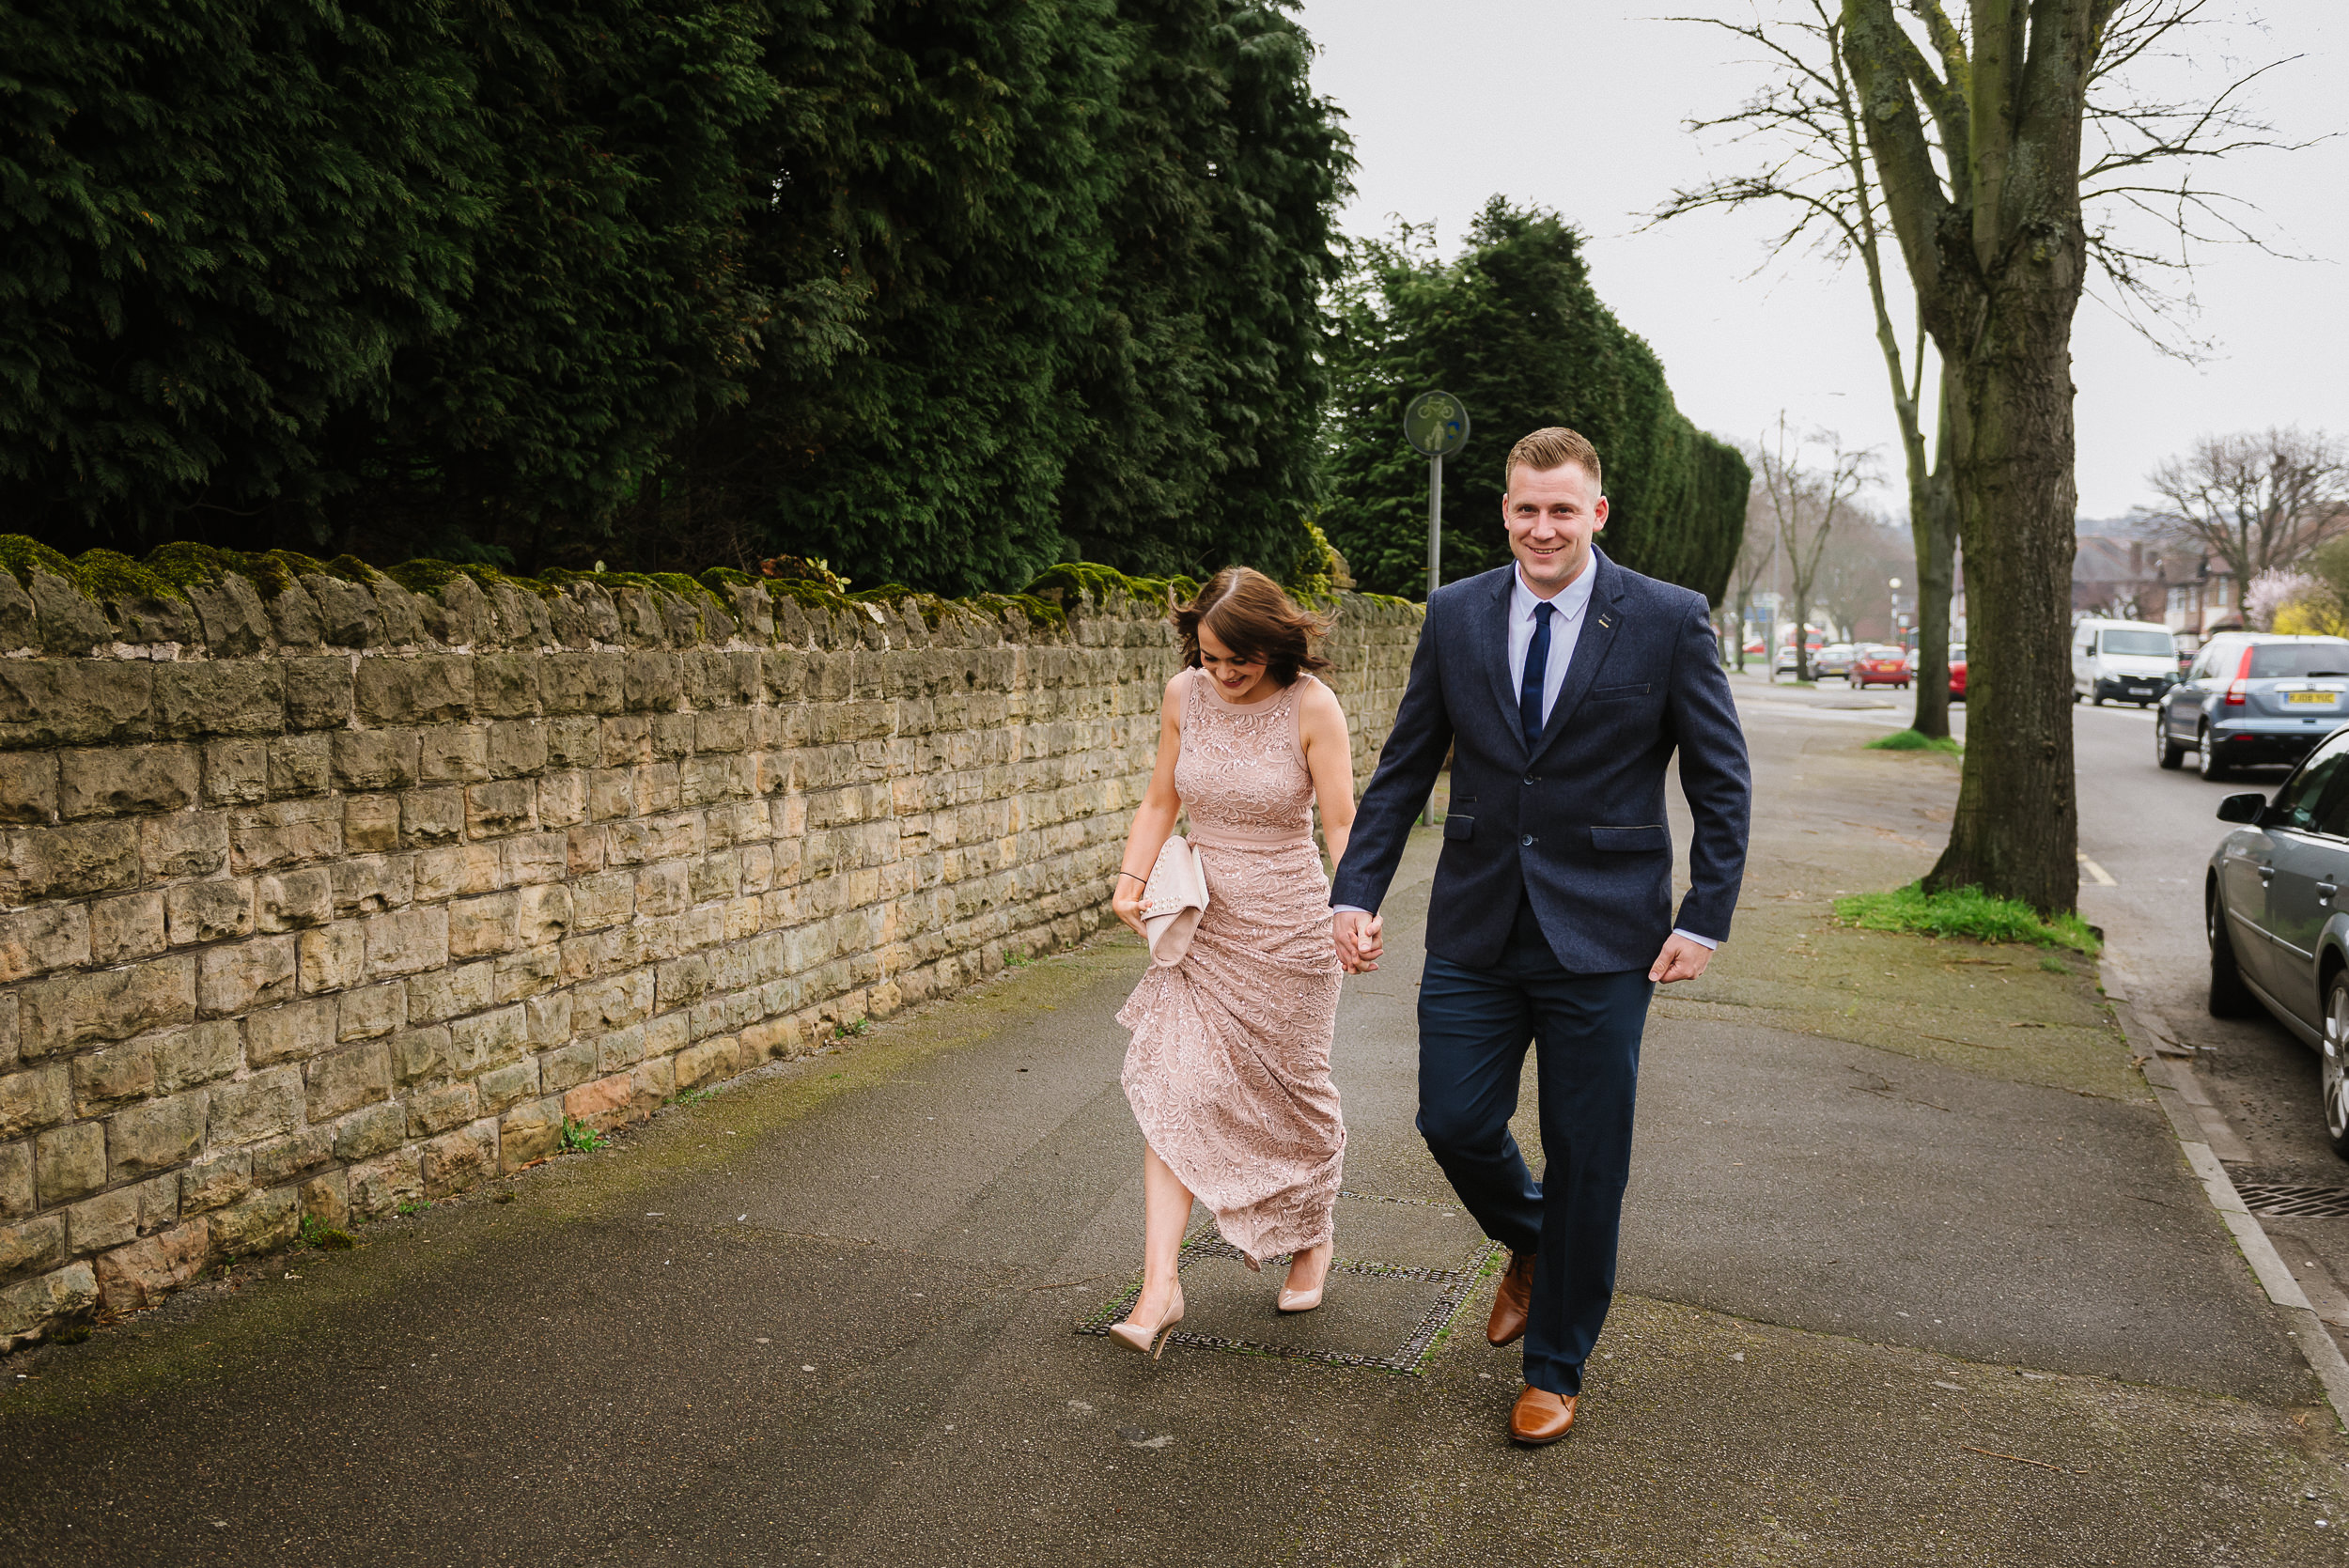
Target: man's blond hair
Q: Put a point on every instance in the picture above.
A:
(1554, 447)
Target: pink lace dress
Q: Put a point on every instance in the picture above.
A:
(1229, 1069)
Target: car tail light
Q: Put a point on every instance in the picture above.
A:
(2235, 687)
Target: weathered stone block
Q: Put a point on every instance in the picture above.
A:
(68, 1162)
(294, 899)
(562, 799)
(185, 843)
(333, 957)
(38, 940)
(547, 1019)
(221, 697)
(214, 1181)
(458, 868)
(245, 975)
(567, 1066)
(420, 1055)
(460, 1161)
(436, 1111)
(263, 1106)
(406, 941)
(72, 1011)
(121, 780)
(378, 1187)
(32, 1247)
(298, 765)
(516, 750)
(348, 1078)
(433, 689)
(529, 1133)
(28, 786)
(139, 1276)
(502, 1088)
(32, 1100)
(707, 1062)
(103, 1080)
(364, 1134)
(326, 1198)
(535, 860)
(284, 833)
(507, 806)
(370, 822)
(601, 1103)
(479, 926)
(573, 742)
(16, 1179)
(73, 862)
(582, 683)
(294, 1032)
(507, 684)
(124, 928)
(318, 693)
(372, 1012)
(44, 1303)
(197, 1054)
(487, 1040)
(156, 1136)
(454, 754)
(372, 883)
(258, 1223)
(448, 993)
(208, 911)
(236, 772)
(282, 1159)
(528, 972)
(56, 702)
(432, 816)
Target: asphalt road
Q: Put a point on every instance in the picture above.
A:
(2153, 831)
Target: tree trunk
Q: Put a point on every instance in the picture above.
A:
(1802, 634)
(1932, 526)
(2017, 819)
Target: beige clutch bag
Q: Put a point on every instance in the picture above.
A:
(1174, 900)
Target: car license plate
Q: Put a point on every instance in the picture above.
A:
(2323, 697)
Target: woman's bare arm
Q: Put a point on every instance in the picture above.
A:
(1329, 758)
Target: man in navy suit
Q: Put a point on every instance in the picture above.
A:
(1560, 685)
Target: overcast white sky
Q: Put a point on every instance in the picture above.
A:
(1580, 104)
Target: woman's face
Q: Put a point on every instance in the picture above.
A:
(1236, 678)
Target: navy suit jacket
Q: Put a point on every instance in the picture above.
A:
(1579, 825)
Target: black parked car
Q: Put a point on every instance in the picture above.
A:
(2276, 936)
(2253, 697)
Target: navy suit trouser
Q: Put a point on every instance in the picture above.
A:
(1475, 1026)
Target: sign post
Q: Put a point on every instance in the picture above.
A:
(1437, 425)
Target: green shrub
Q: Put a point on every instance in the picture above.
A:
(1965, 912)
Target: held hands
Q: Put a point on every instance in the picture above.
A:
(1681, 959)
(1360, 940)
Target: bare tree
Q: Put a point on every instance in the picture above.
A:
(2002, 148)
(1806, 503)
(1855, 573)
(1757, 558)
(2259, 501)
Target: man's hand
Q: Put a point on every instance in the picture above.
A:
(1359, 940)
(1681, 959)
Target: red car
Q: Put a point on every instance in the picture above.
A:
(1877, 665)
(1957, 674)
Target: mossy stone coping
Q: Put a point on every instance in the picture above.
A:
(112, 580)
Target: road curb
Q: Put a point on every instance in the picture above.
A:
(2316, 1341)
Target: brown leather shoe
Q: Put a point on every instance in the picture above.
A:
(1541, 1417)
(1513, 1301)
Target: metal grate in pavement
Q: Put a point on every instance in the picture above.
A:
(2297, 1200)
(1410, 1357)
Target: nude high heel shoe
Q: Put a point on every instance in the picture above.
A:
(1302, 1300)
(1135, 1336)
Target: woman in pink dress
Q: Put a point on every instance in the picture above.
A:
(1229, 1069)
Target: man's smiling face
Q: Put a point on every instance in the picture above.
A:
(1551, 514)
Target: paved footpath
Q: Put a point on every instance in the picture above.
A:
(1913, 1272)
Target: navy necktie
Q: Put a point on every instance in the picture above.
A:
(1536, 666)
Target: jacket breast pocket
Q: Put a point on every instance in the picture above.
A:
(1618, 693)
(1648, 837)
(1456, 826)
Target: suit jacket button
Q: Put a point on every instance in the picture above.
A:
(1528, 780)
(1527, 840)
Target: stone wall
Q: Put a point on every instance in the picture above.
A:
(320, 896)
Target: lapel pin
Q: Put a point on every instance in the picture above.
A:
(1605, 622)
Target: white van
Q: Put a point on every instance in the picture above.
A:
(2128, 661)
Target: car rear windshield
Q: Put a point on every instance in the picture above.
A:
(2272, 659)
(2158, 644)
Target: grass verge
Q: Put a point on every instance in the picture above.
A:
(1913, 740)
(1965, 912)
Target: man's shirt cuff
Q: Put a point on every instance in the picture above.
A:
(1348, 909)
(1701, 941)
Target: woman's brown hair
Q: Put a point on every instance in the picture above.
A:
(1250, 616)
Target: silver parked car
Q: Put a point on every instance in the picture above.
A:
(2253, 697)
(2278, 936)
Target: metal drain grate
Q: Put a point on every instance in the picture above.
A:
(2297, 1200)
(1410, 1357)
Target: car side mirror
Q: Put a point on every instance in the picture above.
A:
(2242, 808)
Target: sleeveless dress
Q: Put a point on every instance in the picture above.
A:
(1229, 1068)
